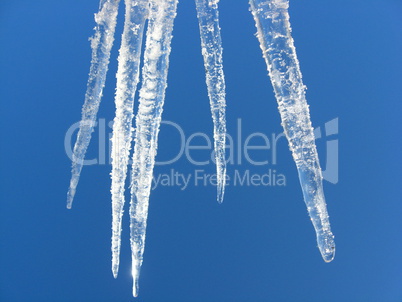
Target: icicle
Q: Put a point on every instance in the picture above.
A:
(152, 94)
(274, 34)
(101, 45)
(211, 44)
(127, 80)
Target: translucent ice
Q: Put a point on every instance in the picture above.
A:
(101, 44)
(127, 80)
(148, 119)
(211, 45)
(274, 33)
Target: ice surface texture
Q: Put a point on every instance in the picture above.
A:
(152, 95)
(274, 34)
(211, 45)
(127, 80)
(101, 44)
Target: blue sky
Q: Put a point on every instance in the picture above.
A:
(259, 245)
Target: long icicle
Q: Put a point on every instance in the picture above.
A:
(274, 33)
(101, 44)
(211, 45)
(152, 95)
(127, 80)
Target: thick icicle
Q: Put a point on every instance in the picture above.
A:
(101, 44)
(127, 80)
(211, 44)
(148, 119)
(274, 34)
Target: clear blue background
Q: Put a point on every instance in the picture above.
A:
(259, 245)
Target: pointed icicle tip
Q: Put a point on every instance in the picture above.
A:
(135, 271)
(135, 287)
(326, 245)
(115, 272)
(70, 198)
(220, 193)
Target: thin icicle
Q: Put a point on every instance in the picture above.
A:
(274, 34)
(127, 80)
(101, 44)
(211, 44)
(152, 94)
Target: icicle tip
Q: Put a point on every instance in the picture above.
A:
(70, 198)
(115, 270)
(220, 193)
(326, 245)
(136, 275)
